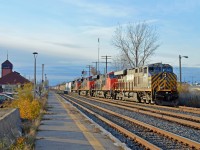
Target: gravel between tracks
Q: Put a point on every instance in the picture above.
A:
(188, 132)
(154, 138)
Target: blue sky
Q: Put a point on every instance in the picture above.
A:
(65, 32)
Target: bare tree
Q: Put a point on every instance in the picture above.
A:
(137, 42)
(119, 62)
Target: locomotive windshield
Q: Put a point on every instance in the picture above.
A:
(167, 69)
(154, 70)
(158, 69)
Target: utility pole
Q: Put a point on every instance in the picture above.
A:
(98, 56)
(42, 74)
(45, 78)
(89, 66)
(106, 58)
(96, 65)
(46, 82)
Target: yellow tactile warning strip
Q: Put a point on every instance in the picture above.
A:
(91, 139)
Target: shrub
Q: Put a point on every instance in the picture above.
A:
(29, 108)
(19, 145)
(31, 111)
(188, 96)
(25, 92)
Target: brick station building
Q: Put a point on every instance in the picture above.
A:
(10, 80)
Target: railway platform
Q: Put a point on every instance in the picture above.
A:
(63, 127)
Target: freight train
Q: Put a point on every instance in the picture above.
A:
(153, 83)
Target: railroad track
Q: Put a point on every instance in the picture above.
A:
(181, 127)
(136, 129)
(184, 119)
(180, 109)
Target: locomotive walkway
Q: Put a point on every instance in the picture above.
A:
(63, 127)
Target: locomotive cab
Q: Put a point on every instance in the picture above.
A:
(163, 83)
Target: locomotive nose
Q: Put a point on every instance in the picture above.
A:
(167, 81)
(164, 75)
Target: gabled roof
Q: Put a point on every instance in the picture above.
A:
(13, 78)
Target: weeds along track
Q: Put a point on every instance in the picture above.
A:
(143, 127)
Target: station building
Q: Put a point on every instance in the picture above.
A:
(10, 80)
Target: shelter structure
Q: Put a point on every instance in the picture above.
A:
(10, 80)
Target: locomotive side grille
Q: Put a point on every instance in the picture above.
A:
(164, 82)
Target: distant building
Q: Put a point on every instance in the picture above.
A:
(10, 80)
(6, 67)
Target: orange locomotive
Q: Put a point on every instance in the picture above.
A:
(75, 85)
(86, 86)
(104, 85)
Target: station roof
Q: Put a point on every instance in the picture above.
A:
(13, 78)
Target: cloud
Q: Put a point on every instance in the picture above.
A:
(98, 30)
(196, 65)
(64, 44)
(177, 6)
(104, 9)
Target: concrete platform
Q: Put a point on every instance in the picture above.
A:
(63, 127)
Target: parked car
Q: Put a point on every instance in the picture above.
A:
(4, 97)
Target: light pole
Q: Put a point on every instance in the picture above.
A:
(180, 66)
(35, 56)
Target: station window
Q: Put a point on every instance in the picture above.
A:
(136, 70)
(140, 70)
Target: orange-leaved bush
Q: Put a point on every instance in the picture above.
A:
(29, 108)
(25, 92)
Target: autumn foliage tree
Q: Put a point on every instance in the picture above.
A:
(29, 108)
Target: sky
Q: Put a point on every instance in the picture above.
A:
(65, 33)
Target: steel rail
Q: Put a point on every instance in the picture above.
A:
(156, 113)
(180, 108)
(183, 116)
(189, 108)
(184, 140)
(122, 130)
